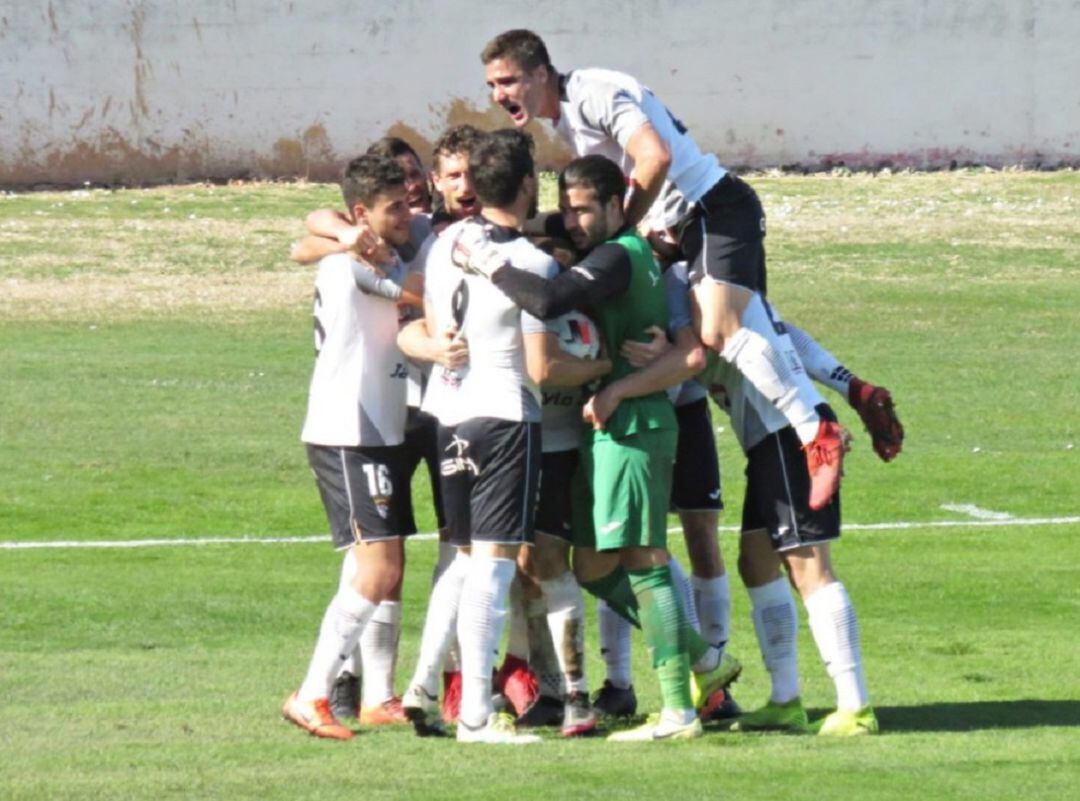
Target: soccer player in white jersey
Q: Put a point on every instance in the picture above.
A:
(718, 219)
(375, 657)
(489, 415)
(354, 431)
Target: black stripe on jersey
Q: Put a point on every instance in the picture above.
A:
(459, 303)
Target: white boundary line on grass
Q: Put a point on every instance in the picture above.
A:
(895, 526)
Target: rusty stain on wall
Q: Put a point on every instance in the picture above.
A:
(246, 123)
(141, 67)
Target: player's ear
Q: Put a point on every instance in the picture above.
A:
(359, 213)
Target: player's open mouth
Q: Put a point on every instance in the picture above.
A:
(469, 205)
(516, 112)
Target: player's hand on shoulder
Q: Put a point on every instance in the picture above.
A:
(367, 246)
(474, 252)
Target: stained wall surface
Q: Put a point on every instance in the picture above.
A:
(131, 91)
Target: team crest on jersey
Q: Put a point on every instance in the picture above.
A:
(460, 461)
(382, 505)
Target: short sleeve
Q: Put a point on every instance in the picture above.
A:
(614, 110)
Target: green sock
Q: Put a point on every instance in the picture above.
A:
(696, 647)
(615, 590)
(664, 626)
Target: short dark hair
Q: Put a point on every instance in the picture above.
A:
(598, 173)
(393, 147)
(368, 176)
(500, 162)
(457, 139)
(521, 46)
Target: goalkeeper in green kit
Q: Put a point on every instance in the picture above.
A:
(621, 501)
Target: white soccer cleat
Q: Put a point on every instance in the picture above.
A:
(667, 725)
(499, 730)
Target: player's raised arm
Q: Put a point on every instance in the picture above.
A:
(311, 249)
(652, 158)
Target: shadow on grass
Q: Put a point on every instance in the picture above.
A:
(974, 715)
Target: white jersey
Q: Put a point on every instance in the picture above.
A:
(677, 286)
(600, 110)
(357, 394)
(495, 382)
(418, 373)
(561, 423)
(752, 416)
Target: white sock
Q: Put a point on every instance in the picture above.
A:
(352, 663)
(614, 645)
(565, 605)
(542, 658)
(440, 624)
(517, 644)
(452, 663)
(684, 589)
(768, 361)
(342, 625)
(712, 597)
(480, 627)
(378, 651)
(776, 624)
(820, 364)
(836, 632)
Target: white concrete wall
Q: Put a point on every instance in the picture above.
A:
(151, 90)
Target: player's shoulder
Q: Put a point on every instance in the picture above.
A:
(596, 83)
(525, 255)
(335, 264)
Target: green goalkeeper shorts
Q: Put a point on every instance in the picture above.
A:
(623, 489)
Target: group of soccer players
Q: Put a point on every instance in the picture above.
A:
(435, 341)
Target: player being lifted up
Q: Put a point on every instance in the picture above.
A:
(354, 432)
(488, 410)
(620, 519)
(718, 222)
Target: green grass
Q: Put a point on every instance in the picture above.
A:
(153, 376)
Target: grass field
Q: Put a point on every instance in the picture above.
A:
(155, 348)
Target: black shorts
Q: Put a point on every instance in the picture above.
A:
(695, 478)
(490, 471)
(361, 489)
(421, 444)
(558, 471)
(724, 236)
(778, 495)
